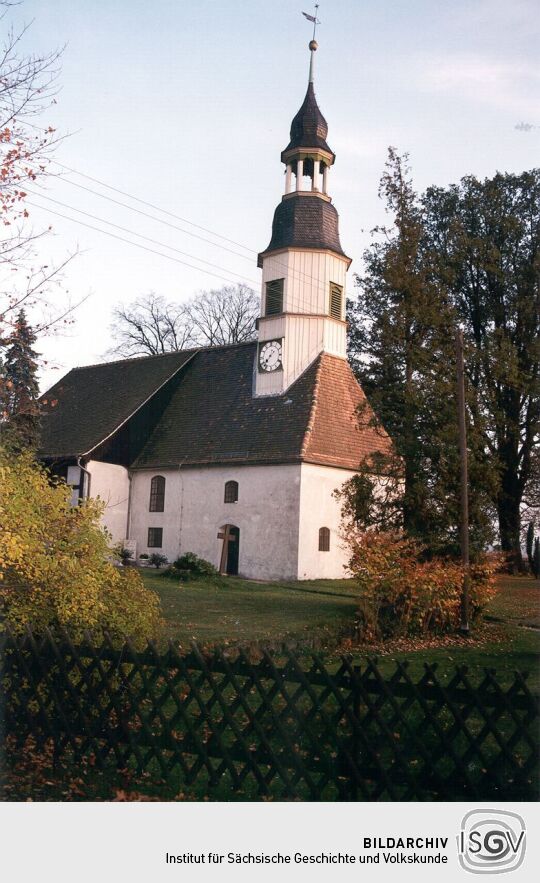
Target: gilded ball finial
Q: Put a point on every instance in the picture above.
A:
(313, 45)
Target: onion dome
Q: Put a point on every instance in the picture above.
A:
(309, 128)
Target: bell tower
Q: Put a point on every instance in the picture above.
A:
(304, 266)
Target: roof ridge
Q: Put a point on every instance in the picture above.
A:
(195, 349)
(313, 407)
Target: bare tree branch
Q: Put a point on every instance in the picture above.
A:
(28, 85)
(150, 325)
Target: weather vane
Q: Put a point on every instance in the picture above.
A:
(314, 19)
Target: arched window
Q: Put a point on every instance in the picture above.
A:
(231, 492)
(157, 494)
(324, 539)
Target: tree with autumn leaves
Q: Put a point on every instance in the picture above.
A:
(56, 569)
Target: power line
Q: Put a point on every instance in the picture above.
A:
(294, 302)
(140, 235)
(150, 205)
(129, 241)
(153, 218)
(299, 273)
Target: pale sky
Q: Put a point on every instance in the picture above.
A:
(188, 105)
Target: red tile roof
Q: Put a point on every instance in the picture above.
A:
(340, 430)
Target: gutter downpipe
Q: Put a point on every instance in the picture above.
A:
(128, 517)
(89, 480)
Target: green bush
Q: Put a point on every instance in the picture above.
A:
(125, 555)
(157, 560)
(192, 564)
(191, 568)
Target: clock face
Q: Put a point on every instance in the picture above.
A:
(270, 354)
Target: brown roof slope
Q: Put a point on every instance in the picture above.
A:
(213, 416)
(336, 436)
(88, 404)
(210, 415)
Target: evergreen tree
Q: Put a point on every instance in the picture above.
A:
(19, 388)
(401, 339)
(469, 254)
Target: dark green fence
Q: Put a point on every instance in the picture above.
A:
(281, 725)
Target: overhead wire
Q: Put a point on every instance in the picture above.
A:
(300, 303)
(128, 241)
(294, 302)
(134, 233)
(298, 273)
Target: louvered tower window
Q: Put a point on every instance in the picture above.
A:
(336, 300)
(324, 539)
(274, 297)
(157, 494)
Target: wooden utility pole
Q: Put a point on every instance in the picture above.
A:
(464, 489)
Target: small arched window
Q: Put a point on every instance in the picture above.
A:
(324, 539)
(157, 494)
(231, 492)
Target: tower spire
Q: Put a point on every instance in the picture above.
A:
(313, 45)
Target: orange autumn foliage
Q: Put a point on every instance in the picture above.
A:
(404, 595)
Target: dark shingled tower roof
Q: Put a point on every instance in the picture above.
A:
(305, 221)
(309, 128)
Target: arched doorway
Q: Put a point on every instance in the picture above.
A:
(230, 550)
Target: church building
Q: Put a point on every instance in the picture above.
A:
(234, 452)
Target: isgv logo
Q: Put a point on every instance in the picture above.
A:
(491, 841)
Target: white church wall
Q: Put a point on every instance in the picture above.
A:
(318, 508)
(110, 483)
(266, 514)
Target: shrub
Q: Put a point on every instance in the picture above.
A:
(403, 595)
(157, 560)
(144, 556)
(55, 567)
(195, 566)
(125, 555)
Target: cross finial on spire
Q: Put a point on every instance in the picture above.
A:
(313, 42)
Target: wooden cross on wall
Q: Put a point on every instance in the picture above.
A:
(227, 538)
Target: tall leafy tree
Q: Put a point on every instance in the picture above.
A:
(19, 389)
(487, 234)
(401, 338)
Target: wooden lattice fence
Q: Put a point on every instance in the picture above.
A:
(281, 725)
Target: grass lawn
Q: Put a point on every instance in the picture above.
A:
(239, 610)
(244, 611)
